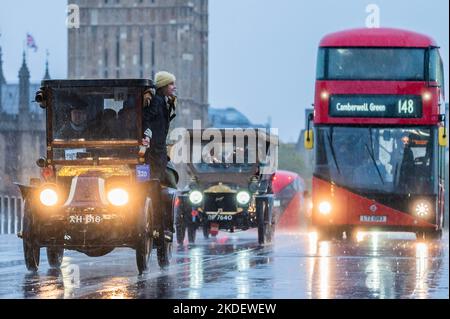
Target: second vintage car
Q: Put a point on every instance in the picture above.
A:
(226, 193)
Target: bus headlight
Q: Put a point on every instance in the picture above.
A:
(196, 197)
(422, 209)
(243, 198)
(118, 197)
(325, 208)
(427, 96)
(48, 197)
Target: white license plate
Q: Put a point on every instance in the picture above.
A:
(220, 218)
(373, 219)
(85, 219)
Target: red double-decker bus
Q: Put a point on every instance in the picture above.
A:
(379, 134)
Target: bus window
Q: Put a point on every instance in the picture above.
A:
(376, 64)
(436, 69)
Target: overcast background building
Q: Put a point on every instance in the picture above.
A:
(137, 38)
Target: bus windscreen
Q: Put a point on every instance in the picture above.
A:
(376, 64)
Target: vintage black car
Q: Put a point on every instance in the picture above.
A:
(96, 192)
(231, 186)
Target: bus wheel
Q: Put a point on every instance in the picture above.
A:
(31, 250)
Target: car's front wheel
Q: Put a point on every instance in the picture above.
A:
(265, 230)
(31, 250)
(144, 245)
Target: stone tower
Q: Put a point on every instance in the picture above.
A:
(2, 80)
(24, 88)
(137, 38)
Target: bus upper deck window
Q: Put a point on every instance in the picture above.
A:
(321, 64)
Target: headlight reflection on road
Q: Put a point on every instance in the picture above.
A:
(360, 236)
(312, 252)
(421, 269)
(373, 280)
(312, 247)
(196, 273)
(324, 270)
(374, 241)
(242, 282)
(71, 277)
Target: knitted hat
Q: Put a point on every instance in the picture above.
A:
(163, 79)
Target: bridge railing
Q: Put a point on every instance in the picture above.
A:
(11, 214)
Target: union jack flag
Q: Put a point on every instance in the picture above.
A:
(31, 43)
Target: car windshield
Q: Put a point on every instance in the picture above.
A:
(377, 160)
(388, 64)
(95, 114)
(228, 158)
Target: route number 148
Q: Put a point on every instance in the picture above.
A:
(406, 107)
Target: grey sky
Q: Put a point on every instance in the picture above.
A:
(262, 53)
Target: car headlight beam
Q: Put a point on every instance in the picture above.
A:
(118, 197)
(243, 198)
(196, 197)
(48, 197)
(325, 208)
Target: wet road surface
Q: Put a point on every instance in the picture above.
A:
(233, 266)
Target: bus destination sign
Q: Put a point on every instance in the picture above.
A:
(378, 106)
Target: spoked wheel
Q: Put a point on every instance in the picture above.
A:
(144, 244)
(265, 228)
(143, 252)
(180, 228)
(31, 250)
(165, 238)
(55, 257)
(164, 252)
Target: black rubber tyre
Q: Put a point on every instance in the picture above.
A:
(144, 244)
(261, 208)
(31, 250)
(164, 252)
(180, 229)
(55, 257)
